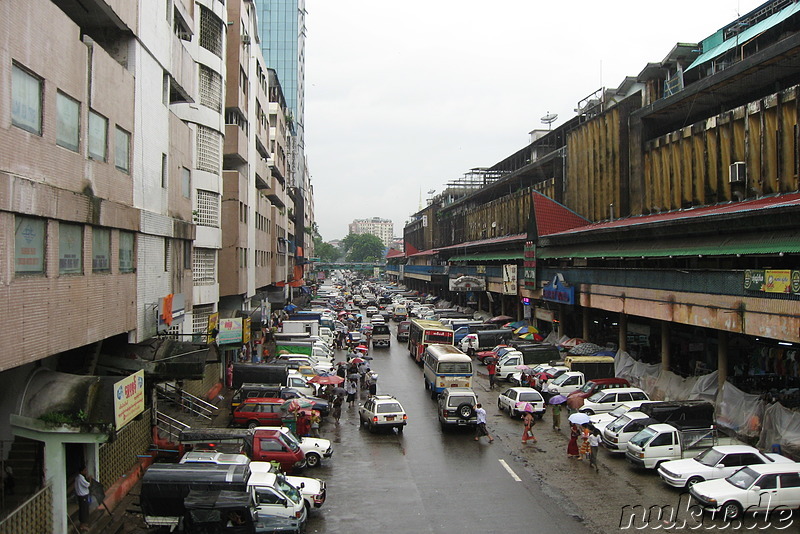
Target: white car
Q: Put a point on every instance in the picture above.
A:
(717, 462)
(371, 310)
(600, 421)
(606, 400)
(382, 411)
(314, 449)
(753, 488)
(509, 398)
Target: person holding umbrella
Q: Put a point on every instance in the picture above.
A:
(556, 402)
(527, 422)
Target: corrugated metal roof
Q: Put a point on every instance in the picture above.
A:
(483, 242)
(788, 242)
(490, 256)
(746, 35)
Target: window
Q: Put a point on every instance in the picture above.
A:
(98, 134)
(204, 266)
(186, 182)
(187, 254)
(26, 100)
(164, 170)
(70, 248)
(210, 32)
(207, 208)
(126, 242)
(167, 254)
(663, 439)
(122, 150)
(200, 316)
(29, 239)
(68, 119)
(638, 395)
(624, 397)
(210, 88)
(767, 482)
(790, 480)
(101, 250)
(208, 149)
(165, 88)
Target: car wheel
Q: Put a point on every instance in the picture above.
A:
(313, 459)
(588, 412)
(252, 424)
(499, 406)
(731, 510)
(692, 481)
(465, 410)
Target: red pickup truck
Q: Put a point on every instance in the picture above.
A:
(264, 445)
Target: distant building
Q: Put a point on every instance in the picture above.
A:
(383, 228)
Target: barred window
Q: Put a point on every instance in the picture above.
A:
(173, 332)
(210, 32)
(204, 266)
(200, 315)
(207, 208)
(209, 149)
(210, 88)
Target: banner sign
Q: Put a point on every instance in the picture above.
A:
(230, 331)
(468, 283)
(559, 291)
(529, 265)
(509, 279)
(772, 281)
(128, 398)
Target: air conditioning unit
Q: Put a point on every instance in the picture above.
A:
(246, 39)
(737, 174)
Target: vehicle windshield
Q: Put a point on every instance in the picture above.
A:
(389, 407)
(709, 457)
(463, 368)
(643, 437)
(619, 410)
(587, 387)
(288, 489)
(619, 423)
(561, 379)
(597, 396)
(743, 478)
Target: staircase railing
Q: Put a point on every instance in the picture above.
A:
(186, 401)
(170, 426)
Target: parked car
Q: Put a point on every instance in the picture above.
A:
(576, 399)
(496, 352)
(382, 411)
(753, 488)
(606, 400)
(457, 407)
(717, 462)
(258, 411)
(508, 400)
(602, 420)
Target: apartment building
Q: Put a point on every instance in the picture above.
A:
(382, 228)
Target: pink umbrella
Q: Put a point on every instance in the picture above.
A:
(572, 342)
(324, 380)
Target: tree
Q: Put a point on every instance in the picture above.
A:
(325, 251)
(363, 248)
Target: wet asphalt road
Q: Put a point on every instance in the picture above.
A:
(425, 480)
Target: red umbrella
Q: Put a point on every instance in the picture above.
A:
(324, 380)
(357, 360)
(572, 342)
(499, 319)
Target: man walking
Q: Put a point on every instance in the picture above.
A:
(491, 368)
(480, 429)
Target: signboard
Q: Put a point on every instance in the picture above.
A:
(772, 281)
(509, 279)
(544, 315)
(529, 265)
(171, 311)
(246, 324)
(128, 398)
(213, 323)
(230, 331)
(468, 283)
(559, 291)
(376, 272)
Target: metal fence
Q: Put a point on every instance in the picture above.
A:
(34, 516)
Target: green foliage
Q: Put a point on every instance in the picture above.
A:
(64, 418)
(325, 251)
(363, 248)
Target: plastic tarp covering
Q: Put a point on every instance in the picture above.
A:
(552, 338)
(670, 386)
(640, 375)
(781, 427)
(739, 411)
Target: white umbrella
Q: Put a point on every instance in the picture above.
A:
(579, 418)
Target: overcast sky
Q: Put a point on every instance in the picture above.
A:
(402, 97)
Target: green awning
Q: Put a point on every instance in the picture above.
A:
(746, 35)
(788, 242)
(489, 256)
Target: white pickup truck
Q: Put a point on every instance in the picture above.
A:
(663, 442)
(566, 383)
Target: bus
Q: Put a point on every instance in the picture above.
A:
(444, 366)
(423, 332)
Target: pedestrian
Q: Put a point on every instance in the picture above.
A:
(303, 424)
(585, 448)
(9, 482)
(491, 368)
(336, 408)
(229, 374)
(315, 420)
(527, 423)
(480, 428)
(594, 443)
(82, 484)
(557, 417)
(372, 383)
(572, 446)
(352, 389)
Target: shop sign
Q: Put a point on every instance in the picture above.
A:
(559, 291)
(544, 315)
(171, 311)
(529, 265)
(246, 327)
(213, 323)
(509, 279)
(467, 283)
(772, 280)
(230, 331)
(128, 398)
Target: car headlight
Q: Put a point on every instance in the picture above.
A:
(641, 455)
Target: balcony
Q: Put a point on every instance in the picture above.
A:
(235, 144)
(183, 70)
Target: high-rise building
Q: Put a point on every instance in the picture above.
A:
(383, 228)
